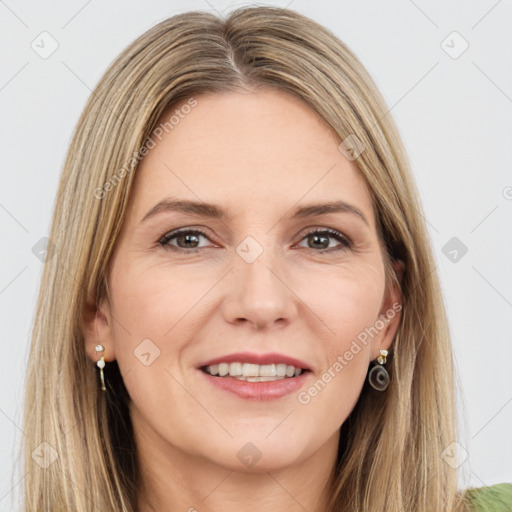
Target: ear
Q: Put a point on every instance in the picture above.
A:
(97, 329)
(390, 313)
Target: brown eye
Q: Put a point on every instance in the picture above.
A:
(185, 239)
(188, 240)
(320, 240)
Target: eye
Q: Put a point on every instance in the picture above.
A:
(183, 237)
(321, 238)
(188, 240)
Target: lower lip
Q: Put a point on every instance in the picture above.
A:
(258, 390)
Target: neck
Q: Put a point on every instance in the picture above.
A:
(173, 479)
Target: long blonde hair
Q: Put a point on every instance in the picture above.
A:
(391, 444)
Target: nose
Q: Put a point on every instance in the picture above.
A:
(260, 293)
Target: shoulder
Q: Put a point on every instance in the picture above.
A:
(494, 498)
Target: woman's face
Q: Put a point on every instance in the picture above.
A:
(256, 285)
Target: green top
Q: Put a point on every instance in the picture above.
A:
(495, 498)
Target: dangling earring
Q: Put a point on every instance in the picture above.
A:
(378, 377)
(101, 364)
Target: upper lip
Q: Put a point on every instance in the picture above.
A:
(254, 358)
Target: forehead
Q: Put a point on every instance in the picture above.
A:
(247, 150)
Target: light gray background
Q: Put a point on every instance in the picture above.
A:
(454, 116)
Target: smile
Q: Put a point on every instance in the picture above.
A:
(253, 372)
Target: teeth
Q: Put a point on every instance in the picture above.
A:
(268, 370)
(223, 369)
(281, 370)
(262, 379)
(253, 372)
(235, 369)
(250, 370)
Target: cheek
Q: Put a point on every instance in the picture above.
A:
(151, 303)
(349, 308)
(347, 303)
(157, 314)
(153, 310)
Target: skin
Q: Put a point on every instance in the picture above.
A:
(258, 155)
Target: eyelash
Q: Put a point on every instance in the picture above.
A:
(331, 233)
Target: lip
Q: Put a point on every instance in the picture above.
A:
(261, 359)
(269, 390)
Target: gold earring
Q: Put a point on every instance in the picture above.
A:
(101, 364)
(378, 377)
(382, 358)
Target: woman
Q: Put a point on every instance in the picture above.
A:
(242, 311)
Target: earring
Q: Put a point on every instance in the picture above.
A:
(101, 364)
(378, 377)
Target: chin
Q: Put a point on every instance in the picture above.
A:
(261, 452)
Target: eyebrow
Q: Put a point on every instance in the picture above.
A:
(202, 209)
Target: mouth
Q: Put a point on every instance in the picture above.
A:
(253, 372)
(256, 376)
